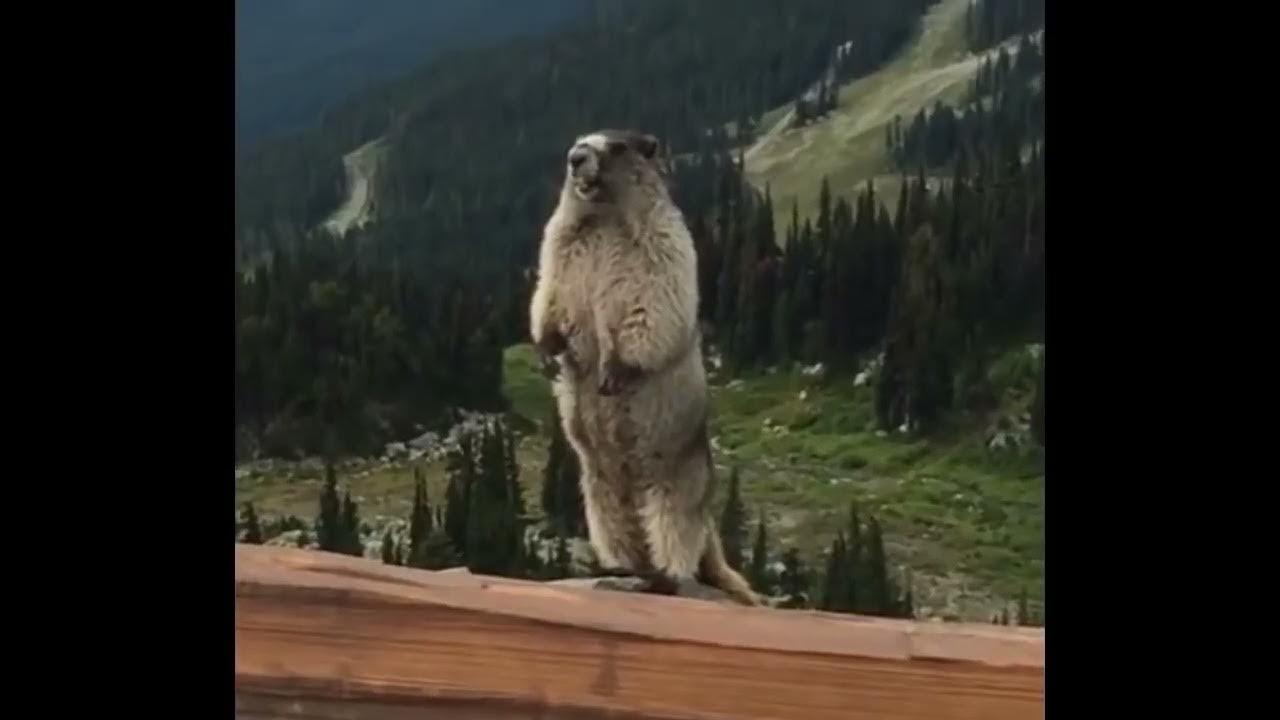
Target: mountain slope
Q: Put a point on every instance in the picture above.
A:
(848, 147)
(295, 58)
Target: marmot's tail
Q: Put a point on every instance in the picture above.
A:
(717, 573)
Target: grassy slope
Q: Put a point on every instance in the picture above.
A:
(849, 145)
(969, 522)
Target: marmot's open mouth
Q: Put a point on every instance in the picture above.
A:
(587, 188)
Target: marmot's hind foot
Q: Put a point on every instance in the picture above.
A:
(661, 584)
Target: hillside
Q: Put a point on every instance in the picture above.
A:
(296, 58)
(848, 147)
(968, 520)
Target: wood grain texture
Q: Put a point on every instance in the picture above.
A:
(326, 636)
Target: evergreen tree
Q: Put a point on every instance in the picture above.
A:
(330, 530)
(462, 472)
(420, 514)
(562, 561)
(782, 324)
(759, 575)
(252, 529)
(390, 553)
(794, 582)
(879, 591)
(855, 574)
(512, 466)
(493, 533)
(438, 552)
(351, 543)
(733, 524)
(1024, 614)
(562, 502)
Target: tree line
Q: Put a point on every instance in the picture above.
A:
(990, 22)
(337, 348)
(1005, 106)
(955, 276)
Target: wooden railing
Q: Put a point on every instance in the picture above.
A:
(330, 636)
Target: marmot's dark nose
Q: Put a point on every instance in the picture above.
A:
(577, 157)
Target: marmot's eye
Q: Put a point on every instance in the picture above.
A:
(617, 148)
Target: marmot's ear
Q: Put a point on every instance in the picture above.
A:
(648, 146)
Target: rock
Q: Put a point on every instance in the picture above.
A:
(734, 385)
(862, 378)
(804, 395)
(425, 441)
(415, 453)
(292, 538)
(817, 369)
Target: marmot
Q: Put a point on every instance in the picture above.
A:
(616, 306)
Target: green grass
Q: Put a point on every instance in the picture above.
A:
(968, 521)
(525, 386)
(848, 146)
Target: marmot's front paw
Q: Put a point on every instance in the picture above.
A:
(550, 366)
(616, 376)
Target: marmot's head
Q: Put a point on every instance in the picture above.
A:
(606, 165)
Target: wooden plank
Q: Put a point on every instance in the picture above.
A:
(318, 633)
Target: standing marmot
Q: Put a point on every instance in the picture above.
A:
(617, 304)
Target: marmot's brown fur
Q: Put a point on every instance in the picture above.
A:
(617, 305)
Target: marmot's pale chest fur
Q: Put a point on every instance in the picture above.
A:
(617, 304)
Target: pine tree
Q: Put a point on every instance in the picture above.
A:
(794, 581)
(562, 561)
(462, 471)
(562, 502)
(252, 528)
(438, 552)
(390, 554)
(493, 533)
(782, 324)
(759, 575)
(733, 524)
(512, 467)
(420, 514)
(1024, 614)
(855, 574)
(329, 527)
(350, 532)
(879, 592)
